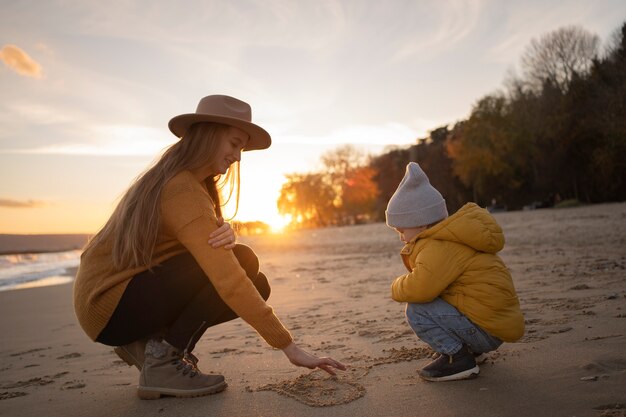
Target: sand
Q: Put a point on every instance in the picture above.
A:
(331, 288)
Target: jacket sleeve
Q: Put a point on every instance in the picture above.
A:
(190, 217)
(433, 271)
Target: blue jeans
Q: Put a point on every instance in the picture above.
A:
(446, 329)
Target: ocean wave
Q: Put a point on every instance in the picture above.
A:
(17, 270)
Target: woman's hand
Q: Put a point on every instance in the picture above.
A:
(299, 357)
(223, 236)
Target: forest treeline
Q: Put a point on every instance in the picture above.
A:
(556, 132)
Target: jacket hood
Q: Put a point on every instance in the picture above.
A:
(472, 226)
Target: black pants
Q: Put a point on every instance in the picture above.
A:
(177, 299)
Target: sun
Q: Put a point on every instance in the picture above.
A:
(278, 223)
(257, 206)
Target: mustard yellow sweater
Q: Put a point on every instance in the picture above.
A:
(187, 219)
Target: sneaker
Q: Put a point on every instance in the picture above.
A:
(460, 365)
(133, 353)
(167, 372)
(480, 358)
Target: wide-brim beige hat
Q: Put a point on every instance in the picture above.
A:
(226, 110)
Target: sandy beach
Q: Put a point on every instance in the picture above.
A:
(331, 289)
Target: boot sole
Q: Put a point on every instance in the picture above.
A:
(127, 357)
(469, 374)
(153, 393)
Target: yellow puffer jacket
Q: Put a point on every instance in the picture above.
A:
(456, 260)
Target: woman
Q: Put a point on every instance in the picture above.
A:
(166, 267)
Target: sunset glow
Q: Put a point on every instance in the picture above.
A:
(278, 224)
(88, 88)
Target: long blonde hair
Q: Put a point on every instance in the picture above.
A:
(134, 225)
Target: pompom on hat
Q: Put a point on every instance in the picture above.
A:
(226, 110)
(415, 203)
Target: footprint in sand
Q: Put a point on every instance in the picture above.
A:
(606, 365)
(6, 395)
(70, 355)
(29, 383)
(33, 382)
(73, 385)
(612, 410)
(30, 351)
(532, 336)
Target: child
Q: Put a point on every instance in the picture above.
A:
(459, 294)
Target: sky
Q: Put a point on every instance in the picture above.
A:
(87, 88)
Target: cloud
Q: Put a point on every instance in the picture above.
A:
(443, 26)
(5, 202)
(524, 23)
(386, 134)
(108, 140)
(37, 113)
(20, 62)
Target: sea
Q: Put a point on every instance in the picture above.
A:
(27, 270)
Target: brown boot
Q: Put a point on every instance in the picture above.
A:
(133, 353)
(165, 372)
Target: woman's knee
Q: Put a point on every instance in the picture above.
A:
(262, 285)
(247, 259)
(250, 263)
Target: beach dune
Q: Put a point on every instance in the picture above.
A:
(331, 289)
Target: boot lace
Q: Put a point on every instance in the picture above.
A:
(191, 360)
(183, 365)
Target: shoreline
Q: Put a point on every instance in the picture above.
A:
(37, 252)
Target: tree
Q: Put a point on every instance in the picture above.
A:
(480, 149)
(557, 56)
(432, 156)
(389, 169)
(352, 186)
(598, 107)
(308, 199)
(360, 194)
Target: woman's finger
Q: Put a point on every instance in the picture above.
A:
(327, 368)
(223, 241)
(327, 364)
(334, 363)
(338, 365)
(222, 229)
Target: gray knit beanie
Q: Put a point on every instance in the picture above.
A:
(415, 203)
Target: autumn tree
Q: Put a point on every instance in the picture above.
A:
(308, 199)
(431, 154)
(479, 148)
(351, 181)
(389, 169)
(360, 193)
